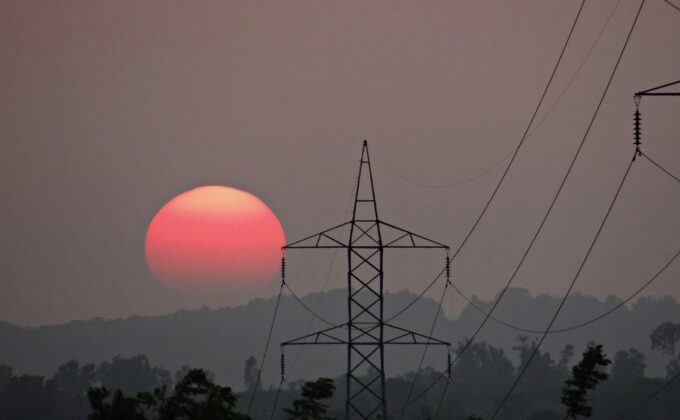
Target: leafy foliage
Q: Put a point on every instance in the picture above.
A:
(310, 407)
(195, 397)
(629, 365)
(664, 338)
(584, 377)
(250, 373)
(119, 407)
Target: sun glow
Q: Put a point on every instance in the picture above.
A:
(214, 235)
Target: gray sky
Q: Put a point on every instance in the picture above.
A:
(109, 109)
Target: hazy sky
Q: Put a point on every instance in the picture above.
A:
(109, 109)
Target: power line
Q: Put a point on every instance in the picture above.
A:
(531, 132)
(417, 298)
(599, 231)
(571, 165)
(557, 194)
(666, 171)
(569, 289)
(444, 186)
(424, 353)
(652, 396)
(266, 346)
(581, 324)
(578, 70)
(524, 136)
(507, 169)
(672, 5)
(316, 308)
(420, 395)
(308, 309)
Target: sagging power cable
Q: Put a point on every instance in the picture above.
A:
(651, 397)
(580, 324)
(566, 294)
(269, 335)
(664, 170)
(531, 132)
(507, 169)
(599, 231)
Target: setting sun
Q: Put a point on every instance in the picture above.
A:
(214, 235)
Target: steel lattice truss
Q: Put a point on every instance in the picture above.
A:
(365, 333)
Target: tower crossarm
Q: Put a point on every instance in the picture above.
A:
(392, 333)
(393, 237)
(396, 237)
(655, 90)
(402, 336)
(329, 238)
(326, 336)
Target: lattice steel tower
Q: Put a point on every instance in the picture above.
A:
(365, 333)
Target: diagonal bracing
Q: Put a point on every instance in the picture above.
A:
(365, 334)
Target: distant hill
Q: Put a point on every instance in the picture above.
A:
(222, 339)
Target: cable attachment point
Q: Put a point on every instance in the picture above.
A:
(283, 366)
(283, 270)
(637, 132)
(448, 365)
(448, 270)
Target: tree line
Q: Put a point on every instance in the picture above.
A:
(590, 385)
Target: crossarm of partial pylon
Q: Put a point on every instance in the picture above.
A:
(654, 91)
(398, 335)
(396, 237)
(327, 336)
(329, 238)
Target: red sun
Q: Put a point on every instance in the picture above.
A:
(214, 235)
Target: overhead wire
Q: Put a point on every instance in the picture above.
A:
(507, 169)
(417, 298)
(424, 353)
(266, 348)
(581, 324)
(651, 396)
(308, 309)
(540, 227)
(558, 193)
(666, 171)
(599, 231)
(561, 187)
(540, 122)
(668, 2)
(531, 132)
(566, 295)
(315, 312)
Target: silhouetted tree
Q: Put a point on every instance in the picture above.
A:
(542, 380)
(196, 397)
(72, 379)
(544, 415)
(29, 397)
(664, 337)
(132, 375)
(310, 407)
(584, 377)
(250, 373)
(566, 354)
(182, 372)
(629, 365)
(118, 407)
(6, 374)
(673, 368)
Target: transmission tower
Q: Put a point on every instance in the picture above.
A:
(365, 334)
